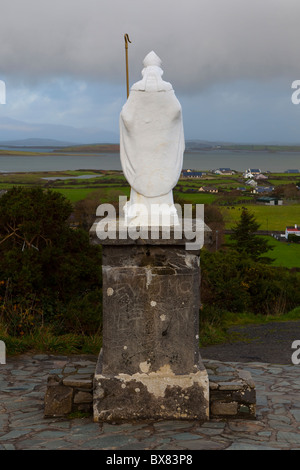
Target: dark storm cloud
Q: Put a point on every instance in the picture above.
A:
(201, 42)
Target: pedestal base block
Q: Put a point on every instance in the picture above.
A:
(150, 366)
(153, 395)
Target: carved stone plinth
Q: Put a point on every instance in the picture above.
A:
(150, 366)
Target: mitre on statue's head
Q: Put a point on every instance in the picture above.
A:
(152, 74)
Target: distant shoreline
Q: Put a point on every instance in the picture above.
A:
(109, 159)
(98, 149)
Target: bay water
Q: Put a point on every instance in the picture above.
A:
(200, 160)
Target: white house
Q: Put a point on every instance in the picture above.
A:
(254, 173)
(224, 171)
(293, 230)
(261, 177)
(251, 183)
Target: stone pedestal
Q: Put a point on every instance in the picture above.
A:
(150, 366)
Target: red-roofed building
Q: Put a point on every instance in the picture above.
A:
(293, 230)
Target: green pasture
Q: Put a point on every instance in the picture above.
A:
(269, 217)
(37, 177)
(207, 181)
(194, 198)
(112, 183)
(21, 178)
(76, 194)
(285, 254)
(105, 194)
(279, 182)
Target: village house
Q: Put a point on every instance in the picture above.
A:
(252, 173)
(251, 183)
(224, 171)
(261, 177)
(192, 174)
(208, 189)
(262, 189)
(293, 230)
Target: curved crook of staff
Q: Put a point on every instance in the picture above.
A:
(127, 40)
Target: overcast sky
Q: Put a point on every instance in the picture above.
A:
(231, 63)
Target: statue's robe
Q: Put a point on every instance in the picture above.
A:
(151, 141)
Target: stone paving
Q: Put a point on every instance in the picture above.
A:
(23, 383)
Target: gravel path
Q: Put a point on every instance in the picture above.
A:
(270, 343)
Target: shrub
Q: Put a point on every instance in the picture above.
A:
(49, 273)
(230, 281)
(293, 238)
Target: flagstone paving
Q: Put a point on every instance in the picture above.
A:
(23, 383)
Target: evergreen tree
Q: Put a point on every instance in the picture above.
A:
(245, 240)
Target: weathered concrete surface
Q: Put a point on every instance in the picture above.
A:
(150, 309)
(155, 395)
(231, 395)
(151, 299)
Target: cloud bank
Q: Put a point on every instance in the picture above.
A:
(201, 42)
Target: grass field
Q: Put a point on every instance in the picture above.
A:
(195, 198)
(278, 182)
(269, 217)
(285, 254)
(78, 194)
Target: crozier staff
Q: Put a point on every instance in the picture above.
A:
(127, 40)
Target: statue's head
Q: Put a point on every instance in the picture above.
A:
(152, 75)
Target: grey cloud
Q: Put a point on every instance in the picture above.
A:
(201, 42)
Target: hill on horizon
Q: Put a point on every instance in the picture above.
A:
(32, 142)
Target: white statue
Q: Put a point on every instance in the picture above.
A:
(151, 145)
